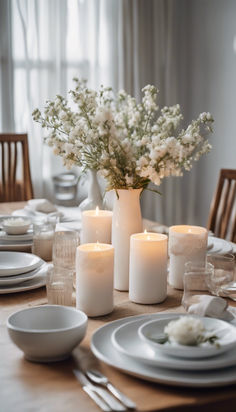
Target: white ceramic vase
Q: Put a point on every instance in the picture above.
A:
(94, 198)
(126, 220)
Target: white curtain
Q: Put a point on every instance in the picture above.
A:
(44, 44)
(125, 44)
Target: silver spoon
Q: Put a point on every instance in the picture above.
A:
(98, 377)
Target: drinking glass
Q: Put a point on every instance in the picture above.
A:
(59, 284)
(223, 274)
(196, 279)
(43, 240)
(64, 248)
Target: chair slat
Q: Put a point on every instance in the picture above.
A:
(224, 202)
(221, 221)
(14, 163)
(14, 189)
(229, 208)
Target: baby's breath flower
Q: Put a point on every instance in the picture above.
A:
(121, 138)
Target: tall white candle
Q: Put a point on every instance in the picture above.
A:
(94, 278)
(148, 268)
(96, 226)
(186, 243)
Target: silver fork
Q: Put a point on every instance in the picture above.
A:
(97, 377)
(112, 403)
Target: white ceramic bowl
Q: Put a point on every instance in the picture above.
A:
(19, 228)
(47, 333)
(151, 331)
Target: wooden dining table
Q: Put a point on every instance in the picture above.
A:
(27, 386)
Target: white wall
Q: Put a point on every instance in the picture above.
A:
(212, 87)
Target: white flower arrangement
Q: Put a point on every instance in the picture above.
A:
(122, 139)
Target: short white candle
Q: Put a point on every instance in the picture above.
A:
(186, 243)
(94, 278)
(96, 226)
(148, 268)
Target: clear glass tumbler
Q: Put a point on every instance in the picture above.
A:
(64, 248)
(43, 240)
(196, 280)
(59, 286)
(223, 276)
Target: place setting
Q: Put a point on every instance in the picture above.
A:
(16, 233)
(20, 272)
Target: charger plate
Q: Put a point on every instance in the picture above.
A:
(104, 350)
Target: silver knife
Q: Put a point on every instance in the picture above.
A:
(113, 404)
(96, 399)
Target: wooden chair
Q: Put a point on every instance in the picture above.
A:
(222, 217)
(15, 161)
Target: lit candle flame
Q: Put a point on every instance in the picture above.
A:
(97, 246)
(148, 237)
(97, 210)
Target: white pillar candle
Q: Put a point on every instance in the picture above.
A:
(186, 243)
(148, 268)
(96, 226)
(94, 278)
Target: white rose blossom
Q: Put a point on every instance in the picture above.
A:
(125, 140)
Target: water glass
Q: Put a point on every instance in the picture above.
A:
(43, 240)
(53, 219)
(64, 248)
(59, 286)
(196, 280)
(223, 274)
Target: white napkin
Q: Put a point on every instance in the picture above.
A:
(213, 307)
(42, 205)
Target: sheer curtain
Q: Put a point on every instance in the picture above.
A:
(125, 44)
(44, 44)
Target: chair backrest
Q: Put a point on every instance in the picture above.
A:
(15, 156)
(222, 216)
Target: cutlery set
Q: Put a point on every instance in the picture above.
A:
(96, 385)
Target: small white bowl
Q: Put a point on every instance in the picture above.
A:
(152, 332)
(47, 333)
(16, 225)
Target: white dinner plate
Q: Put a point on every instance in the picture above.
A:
(16, 279)
(16, 247)
(209, 243)
(37, 282)
(127, 341)
(18, 238)
(226, 333)
(14, 263)
(104, 350)
(220, 246)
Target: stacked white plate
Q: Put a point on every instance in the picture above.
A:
(219, 246)
(21, 271)
(15, 242)
(119, 344)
